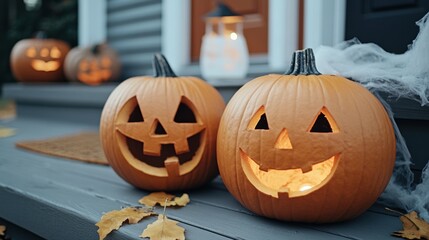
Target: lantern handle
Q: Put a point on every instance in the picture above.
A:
(303, 63)
(161, 66)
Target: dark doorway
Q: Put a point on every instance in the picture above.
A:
(387, 23)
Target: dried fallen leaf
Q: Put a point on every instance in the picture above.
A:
(156, 198)
(183, 200)
(414, 227)
(164, 199)
(6, 132)
(164, 229)
(2, 230)
(113, 220)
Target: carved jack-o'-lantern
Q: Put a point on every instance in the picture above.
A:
(92, 65)
(38, 59)
(159, 133)
(304, 146)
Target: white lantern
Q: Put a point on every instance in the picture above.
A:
(224, 53)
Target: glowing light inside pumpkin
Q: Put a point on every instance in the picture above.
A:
(283, 141)
(55, 53)
(94, 71)
(292, 181)
(305, 187)
(31, 52)
(44, 52)
(40, 65)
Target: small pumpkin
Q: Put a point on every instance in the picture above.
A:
(304, 146)
(92, 65)
(159, 132)
(39, 59)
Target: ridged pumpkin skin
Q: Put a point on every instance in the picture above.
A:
(38, 60)
(158, 99)
(92, 65)
(361, 145)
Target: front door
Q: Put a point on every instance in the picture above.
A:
(387, 23)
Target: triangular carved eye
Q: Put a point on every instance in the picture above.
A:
(136, 114)
(184, 113)
(324, 123)
(259, 120)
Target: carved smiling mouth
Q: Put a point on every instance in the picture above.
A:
(168, 163)
(94, 77)
(294, 182)
(49, 66)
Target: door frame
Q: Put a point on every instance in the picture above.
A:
(92, 22)
(324, 22)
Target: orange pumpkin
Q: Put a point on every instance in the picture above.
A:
(305, 146)
(38, 59)
(159, 133)
(92, 65)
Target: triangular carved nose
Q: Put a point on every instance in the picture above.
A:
(283, 140)
(157, 128)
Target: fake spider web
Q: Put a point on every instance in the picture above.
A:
(401, 76)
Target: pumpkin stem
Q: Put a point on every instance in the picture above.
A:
(96, 49)
(40, 35)
(161, 66)
(303, 63)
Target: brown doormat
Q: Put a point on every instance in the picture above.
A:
(85, 146)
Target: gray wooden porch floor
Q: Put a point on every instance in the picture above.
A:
(63, 199)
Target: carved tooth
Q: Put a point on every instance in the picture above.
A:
(263, 168)
(284, 194)
(306, 169)
(152, 148)
(181, 146)
(173, 166)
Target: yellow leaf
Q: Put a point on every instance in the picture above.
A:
(414, 227)
(164, 229)
(182, 201)
(2, 230)
(156, 198)
(6, 132)
(113, 220)
(164, 199)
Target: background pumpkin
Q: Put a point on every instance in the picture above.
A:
(38, 59)
(304, 146)
(92, 65)
(159, 133)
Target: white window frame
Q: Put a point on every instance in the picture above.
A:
(92, 22)
(324, 22)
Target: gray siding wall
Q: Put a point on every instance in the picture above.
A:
(134, 31)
